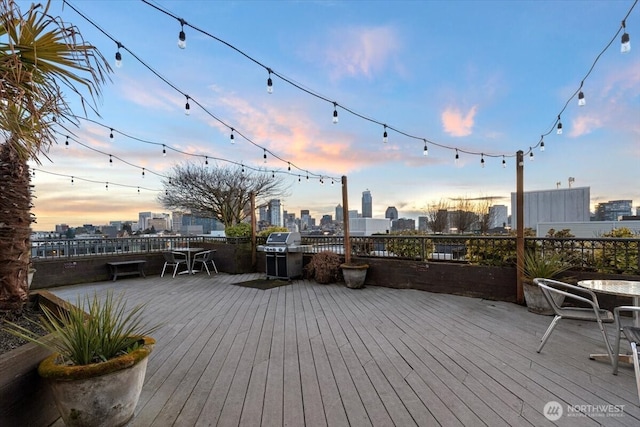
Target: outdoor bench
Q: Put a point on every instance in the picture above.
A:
(124, 268)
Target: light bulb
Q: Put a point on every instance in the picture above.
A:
(111, 134)
(233, 138)
(581, 100)
(559, 131)
(457, 157)
(482, 161)
(143, 172)
(425, 152)
(118, 59)
(110, 160)
(269, 84)
(206, 162)
(264, 156)
(625, 46)
(385, 135)
(66, 143)
(335, 113)
(182, 39)
(541, 145)
(164, 151)
(187, 108)
(531, 155)
(71, 180)
(504, 162)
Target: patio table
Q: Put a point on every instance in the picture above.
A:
(627, 288)
(188, 251)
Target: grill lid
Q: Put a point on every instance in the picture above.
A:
(284, 238)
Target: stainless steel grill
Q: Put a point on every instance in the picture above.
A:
(283, 253)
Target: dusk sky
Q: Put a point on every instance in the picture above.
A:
(485, 77)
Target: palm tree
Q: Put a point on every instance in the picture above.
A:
(40, 56)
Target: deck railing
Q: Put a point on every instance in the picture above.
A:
(610, 255)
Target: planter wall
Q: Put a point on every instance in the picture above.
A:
(25, 398)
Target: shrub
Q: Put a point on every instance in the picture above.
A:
(273, 229)
(242, 229)
(324, 267)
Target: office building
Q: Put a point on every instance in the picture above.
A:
(498, 216)
(423, 224)
(339, 214)
(613, 210)
(391, 213)
(367, 204)
(403, 224)
(275, 213)
(560, 205)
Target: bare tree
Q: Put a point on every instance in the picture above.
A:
(223, 193)
(464, 214)
(485, 213)
(438, 216)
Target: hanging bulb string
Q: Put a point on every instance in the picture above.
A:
(326, 99)
(167, 147)
(189, 98)
(93, 181)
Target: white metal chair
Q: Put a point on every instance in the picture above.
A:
(632, 333)
(593, 313)
(204, 258)
(174, 259)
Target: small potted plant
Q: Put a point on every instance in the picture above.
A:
(546, 266)
(354, 274)
(99, 362)
(324, 267)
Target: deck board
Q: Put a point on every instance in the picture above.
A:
(315, 355)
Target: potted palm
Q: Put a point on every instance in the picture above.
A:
(100, 352)
(546, 266)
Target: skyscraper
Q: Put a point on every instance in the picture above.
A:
(391, 213)
(367, 204)
(339, 214)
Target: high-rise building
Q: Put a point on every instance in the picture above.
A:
(403, 224)
(613, 210)
(499, 216)
(391, 213)
(423, 223)
(339, 214)
(367, 204)
(275, 212)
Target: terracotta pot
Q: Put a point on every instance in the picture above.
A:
(101, 394)
(354, 275)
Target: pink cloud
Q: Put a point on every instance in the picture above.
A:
(457, 123)
(361, 51)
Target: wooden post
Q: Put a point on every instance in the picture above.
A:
(254, 260)
(345, 216)
(519, 226)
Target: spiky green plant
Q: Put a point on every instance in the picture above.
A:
(546, 266)
(91, 331)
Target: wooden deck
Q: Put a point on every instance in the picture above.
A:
(315, 355)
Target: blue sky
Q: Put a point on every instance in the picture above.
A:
(480, 76)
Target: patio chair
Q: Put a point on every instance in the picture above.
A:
(174, 259)
(204, 258)
(593, 313)
(632, 333)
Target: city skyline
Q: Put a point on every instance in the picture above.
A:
(483, 77)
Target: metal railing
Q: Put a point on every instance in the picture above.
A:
(612, 255)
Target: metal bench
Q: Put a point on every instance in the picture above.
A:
(123, 268)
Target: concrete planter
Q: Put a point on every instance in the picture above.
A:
(98, 395)
(536, 302)
(354, 275)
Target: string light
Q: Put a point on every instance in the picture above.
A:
(457, 157)
(138, 190)
(118, 55)
(289, 166)
(66, 143)
(111, 134)
(504, 162)
(72, 180)
(242, 168)
(233, 139)
(335, 113)
(143, 172)
(559, 128)
(206, 162)
(187, 108)
(107, 186)
(425, 152)
(182, 37)
(581, 100)
(269, 82)
(530, 154)
(110, 160)
(385, 135)
(541, 142)
(625, 40)
(482, 160)
(264, 156)
(164, 151)
(273, 174)
(299, 179)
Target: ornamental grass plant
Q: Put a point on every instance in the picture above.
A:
(92, 331)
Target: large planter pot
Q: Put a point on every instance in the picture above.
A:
(354, 275)
(536, 302)
(101, 394)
